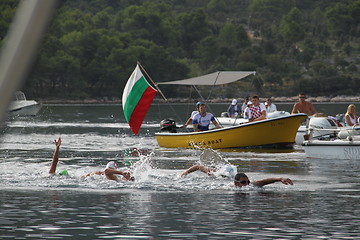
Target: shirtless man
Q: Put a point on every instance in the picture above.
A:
(303, 106)
(110, 171)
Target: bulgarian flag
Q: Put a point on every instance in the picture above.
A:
(136, 99)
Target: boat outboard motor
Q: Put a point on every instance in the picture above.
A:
(168, 125)
(322, 127)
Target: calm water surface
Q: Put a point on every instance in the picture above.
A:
(323, 203)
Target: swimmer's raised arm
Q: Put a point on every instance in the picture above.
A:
(55, 158)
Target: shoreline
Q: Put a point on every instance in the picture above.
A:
(320, 99)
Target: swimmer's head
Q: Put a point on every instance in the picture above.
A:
(111, 165)
(227, 171)
(241, 179)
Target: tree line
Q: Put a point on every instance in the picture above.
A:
(91, 47)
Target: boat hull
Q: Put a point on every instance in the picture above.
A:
(278, 132)
(24, 108)
(337, 149)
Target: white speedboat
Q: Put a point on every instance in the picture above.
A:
(340, 149)
(22, 107)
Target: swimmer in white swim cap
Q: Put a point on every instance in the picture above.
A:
(111, 171)
(111, 165)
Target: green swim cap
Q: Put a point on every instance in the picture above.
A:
(64, 172)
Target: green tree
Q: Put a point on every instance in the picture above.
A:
(194, 26)
(291, 26)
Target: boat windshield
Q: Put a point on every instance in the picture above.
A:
(20, 96)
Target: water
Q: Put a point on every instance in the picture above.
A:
(322, 203)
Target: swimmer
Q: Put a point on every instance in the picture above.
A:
(240, 179)
(110, 170)
(226, 171)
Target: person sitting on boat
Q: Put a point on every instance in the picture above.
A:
(257, 111)
(193, 113)
(303, 106)
(244, 105)
(350, 116)
(247, 110)
(270, 106)
(201, 120)
(234, 109)
(240, 179)
(110, 171)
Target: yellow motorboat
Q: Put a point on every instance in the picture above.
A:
(277, 132)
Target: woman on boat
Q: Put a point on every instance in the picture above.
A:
(350, 117)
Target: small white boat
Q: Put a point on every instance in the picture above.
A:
(333, 149)
(22, 107)
(343, 143)
(322, 127)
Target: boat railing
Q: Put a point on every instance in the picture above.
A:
(341, 133)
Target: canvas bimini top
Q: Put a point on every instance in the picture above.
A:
(216, 78)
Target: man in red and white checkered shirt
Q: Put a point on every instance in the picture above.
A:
(257, 111)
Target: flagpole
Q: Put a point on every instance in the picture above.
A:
(156, 86)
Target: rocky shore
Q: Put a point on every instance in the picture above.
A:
(337, 99)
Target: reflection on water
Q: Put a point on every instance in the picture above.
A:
(322, 203)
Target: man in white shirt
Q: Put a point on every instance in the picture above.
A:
(201, 120)
(270, 107)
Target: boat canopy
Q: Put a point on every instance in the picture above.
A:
(216, 78)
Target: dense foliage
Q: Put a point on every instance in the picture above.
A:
(92, 47)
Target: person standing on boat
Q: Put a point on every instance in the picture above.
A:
(350, 116)
(257, 111)
(201, 120)
(234, 109)
(303, 106)
(240, 179)
(270, 107)
(110, 170)
(189, 121)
